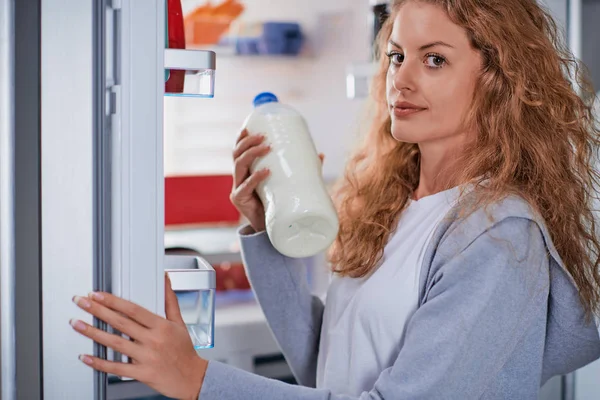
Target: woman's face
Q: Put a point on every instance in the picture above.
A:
(431, 76)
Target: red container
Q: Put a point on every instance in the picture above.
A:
(199, 200)
(231, 276)
(176, 34)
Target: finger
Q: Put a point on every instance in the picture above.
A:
(119, 322)
(246, 143)
(107, 307)
(243, 163)
(249, 186)
(242, 135)
(111, 367)
(172, 309)
(109, 340)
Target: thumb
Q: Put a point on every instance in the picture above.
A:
(172, 310)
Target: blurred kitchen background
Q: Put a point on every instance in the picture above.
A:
(302, 52)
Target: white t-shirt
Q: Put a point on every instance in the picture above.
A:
(364, 319)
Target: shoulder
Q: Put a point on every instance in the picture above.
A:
(500, 245)
(510, 224)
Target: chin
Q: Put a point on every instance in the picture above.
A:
(406, 135)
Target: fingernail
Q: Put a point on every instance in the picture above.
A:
(77, 325)
(96, 296)
(85, 359)
(81, 302)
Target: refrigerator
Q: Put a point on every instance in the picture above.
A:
(82, 85)
(81, 178)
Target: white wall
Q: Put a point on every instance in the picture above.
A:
(558, 9)
(587, 382)
(591, 39)
(199, 134)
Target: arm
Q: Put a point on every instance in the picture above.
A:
(477, 309)
(293, 314)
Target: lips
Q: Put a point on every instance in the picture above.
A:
(404, 108)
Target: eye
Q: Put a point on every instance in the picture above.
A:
(435, 61)
(395, 57)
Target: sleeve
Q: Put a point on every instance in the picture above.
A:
(476, 311)
(293, 314)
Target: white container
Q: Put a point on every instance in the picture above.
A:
(300, 217)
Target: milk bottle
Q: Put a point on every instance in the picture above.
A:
(300, 217)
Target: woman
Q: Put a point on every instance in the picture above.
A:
(467, 260)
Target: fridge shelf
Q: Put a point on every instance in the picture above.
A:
(190, 73)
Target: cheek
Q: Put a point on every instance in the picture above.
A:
(389, 88)
(451, 100)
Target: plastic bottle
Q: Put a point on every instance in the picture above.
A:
(300, 217)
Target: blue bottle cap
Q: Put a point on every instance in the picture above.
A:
(265, 97)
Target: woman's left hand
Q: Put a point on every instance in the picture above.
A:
(161, 350)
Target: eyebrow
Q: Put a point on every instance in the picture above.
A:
(424, 47)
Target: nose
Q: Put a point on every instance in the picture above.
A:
(404, 76)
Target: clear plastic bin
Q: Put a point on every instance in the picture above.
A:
(194, 72)
(194, 281)
(199, 83)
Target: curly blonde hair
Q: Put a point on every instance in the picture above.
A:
(536, 137)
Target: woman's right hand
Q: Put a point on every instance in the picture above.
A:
(243, 195)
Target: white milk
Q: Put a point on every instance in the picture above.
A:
(301, 220)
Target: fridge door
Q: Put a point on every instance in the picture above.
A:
(102, 85)
(134, 93)
(20, 263)
(7, 203)
(102, 186)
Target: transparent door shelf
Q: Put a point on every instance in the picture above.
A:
(196, 68)
(194, 281)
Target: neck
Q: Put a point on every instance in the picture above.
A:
(436, 167)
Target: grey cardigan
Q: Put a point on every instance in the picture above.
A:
(498, 316)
